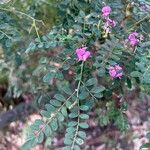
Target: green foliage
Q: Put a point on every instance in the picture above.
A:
(113, 114)
(146, 145)
(28, 37)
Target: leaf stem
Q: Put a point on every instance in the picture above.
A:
(78, 121)
(5, 34)
(79, 83)
(138, 22)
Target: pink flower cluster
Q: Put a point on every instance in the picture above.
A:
(134, 38)
(109, 23)
(115, 71)
(82, 54)
(106, 11)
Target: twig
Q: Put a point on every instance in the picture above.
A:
(78, 121)
(13, 10)
(133, 26)
(5, 34)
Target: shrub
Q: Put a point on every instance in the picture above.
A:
(88, 59)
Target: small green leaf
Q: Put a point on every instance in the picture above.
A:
(71, 129)
(97, 90)
(47, 130)
(34, 127)
(84, 107)
(101, 72)
(60, 117)
(28, 144)
(82, 14)
(82, 134)
(67, 90)
(145, 44)
(43, 60)
(76, 147)
(40, 137)
(2, 36)
(67, 141)
(50, 108)
(54, 124)
(91, 81)
(48, 77)
(98, 95)
(68, 104)
(129, 83)
(84, 125)
(40, 45)
(64, 111)
(148, 135)
(48, 142)
(69, 135)
(79, 141)
(84, 116)
(72, 123)
(55, 103)
(83, 95)
(39, 99)
(45, 113)
(66, 148)
(136, 74)
(146, 145)
(31, 47)
(38, 122)
(60, 97)
(73, 115)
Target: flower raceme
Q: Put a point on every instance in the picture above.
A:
(109, 23)
(115, 71)
(82, 54)
(106, 11)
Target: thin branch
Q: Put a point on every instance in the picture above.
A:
(5, 34)
(13, 10)
(137, 23)
(78, 121)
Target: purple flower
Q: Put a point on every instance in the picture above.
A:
(133, 39)
(115, 71)
(82, 54)
(134, 42)
(132, 35)
(106, 11)
(111, 22)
